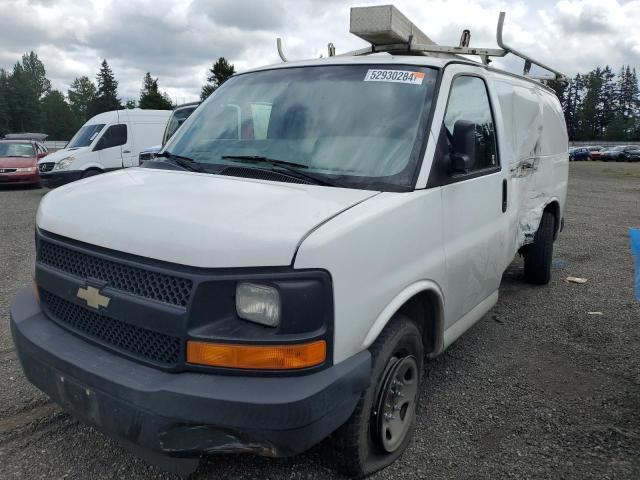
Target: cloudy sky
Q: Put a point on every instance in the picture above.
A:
(176, 40)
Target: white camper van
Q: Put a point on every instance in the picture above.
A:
(311, 234)
(108, 141)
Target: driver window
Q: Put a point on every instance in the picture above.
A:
(469, 101)
(114, 136)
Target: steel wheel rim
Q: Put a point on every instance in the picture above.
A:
(397, 402)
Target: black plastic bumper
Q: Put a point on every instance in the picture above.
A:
(57, 179)
(171, 419)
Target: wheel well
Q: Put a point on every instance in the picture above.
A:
(554, 209)
(425, 309)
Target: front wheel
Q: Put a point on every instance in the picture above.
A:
(382, 424)
(90, 173)
(538, 255)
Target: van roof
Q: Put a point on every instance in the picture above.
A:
(386, 58)
(128, 114)
(380, 58)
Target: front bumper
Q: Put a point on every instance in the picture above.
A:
(59, 178)
(171, 419)
(19, 178)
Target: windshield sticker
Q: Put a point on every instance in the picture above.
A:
(396, 76)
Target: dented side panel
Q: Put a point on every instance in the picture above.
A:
(535, 144)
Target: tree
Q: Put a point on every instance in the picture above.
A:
(36, 74)
(218, 74)
(59, 121)
(150, 96)
(4, 106)
(130, 104)
(81, 94)
(23, 101)
(588, 111)
(107, 95)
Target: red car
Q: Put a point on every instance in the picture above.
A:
(19, 155)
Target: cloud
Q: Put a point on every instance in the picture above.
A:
(178, 41)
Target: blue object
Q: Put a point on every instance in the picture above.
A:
(634, 235)
(558, 263)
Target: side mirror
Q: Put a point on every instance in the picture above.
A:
(41, 155)
(464, 147)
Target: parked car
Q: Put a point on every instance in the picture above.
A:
(630, 154)
(621, 153)
(177, 118)
(280, 271)
(578, 154)
(109, 141)
(594, 152)
(19, 155)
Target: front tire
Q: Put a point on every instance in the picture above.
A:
(90, 173)
(382, 424)
(538, 255)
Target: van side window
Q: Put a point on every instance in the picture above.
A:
(468, 100)
(115, 136)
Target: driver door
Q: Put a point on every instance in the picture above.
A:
(110, 146)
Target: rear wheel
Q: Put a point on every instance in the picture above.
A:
(538, 255)
(382, 424)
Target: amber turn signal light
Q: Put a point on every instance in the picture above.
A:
(257, 357)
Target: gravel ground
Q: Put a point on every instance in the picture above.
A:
(539, 388)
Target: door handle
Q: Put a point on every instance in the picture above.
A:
(504, 195)
(126, 151)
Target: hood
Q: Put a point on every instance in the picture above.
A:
(192, 218)
(17, 162)
(64, 153)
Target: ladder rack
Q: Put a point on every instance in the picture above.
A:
(388, 30)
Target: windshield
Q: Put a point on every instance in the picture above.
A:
(16, 150)
(177, 118)
(356, 125)
(85, 135)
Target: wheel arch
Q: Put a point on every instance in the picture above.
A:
(553, 207)
(423, 302)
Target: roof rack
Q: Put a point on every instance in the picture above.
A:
(388, 30)
(39, 137)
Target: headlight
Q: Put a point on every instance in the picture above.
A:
(26, 169)
(258, 303)
(64, 163)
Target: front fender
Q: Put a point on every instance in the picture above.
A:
(398, 301)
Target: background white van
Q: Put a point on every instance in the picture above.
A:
(108, 141)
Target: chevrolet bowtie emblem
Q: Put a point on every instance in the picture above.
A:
(93, 297)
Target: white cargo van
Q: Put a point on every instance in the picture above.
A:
(313, 232)
(108, 141)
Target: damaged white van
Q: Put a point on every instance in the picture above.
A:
(312, 233)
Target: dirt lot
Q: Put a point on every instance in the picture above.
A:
(539, 388)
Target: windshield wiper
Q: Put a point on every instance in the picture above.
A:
(184, 162)
(291, 168)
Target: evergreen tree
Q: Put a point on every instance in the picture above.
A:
(59, 121)
(218, 74)
(588, 110)
(4, 106)
(23, 101)
(606, 102)
(150, 96)
(107, 95)
(81, 94)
